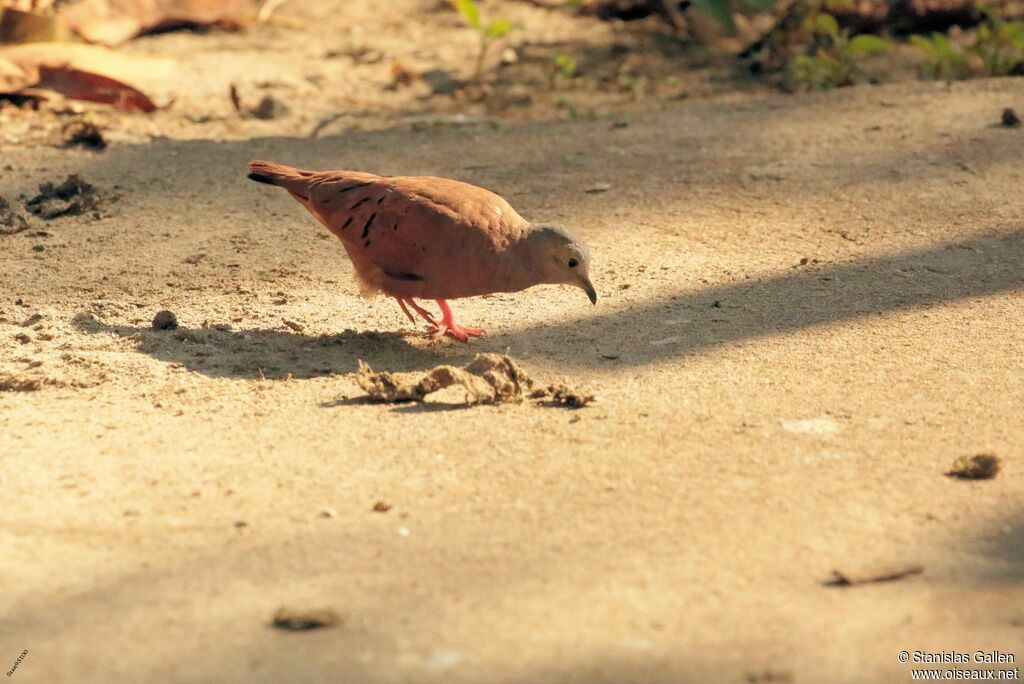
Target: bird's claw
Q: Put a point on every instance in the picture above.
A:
(458, 332)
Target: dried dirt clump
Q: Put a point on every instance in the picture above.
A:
(9, 383)
(488, 379)
(11, 220)
(72, 197)
(977, 467)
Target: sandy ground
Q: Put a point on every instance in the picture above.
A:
(813, 305)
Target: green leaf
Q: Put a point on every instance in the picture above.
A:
(867, 45)
(719, 9)
(826, 25)
(566, 65)
(467, 8)
(501, 27)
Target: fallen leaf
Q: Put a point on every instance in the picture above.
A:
(112, 22)
(870, 575)
(80, 72)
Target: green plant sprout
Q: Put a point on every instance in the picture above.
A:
(835, 61)
(564, 65)
(494, 30)
(997, 50)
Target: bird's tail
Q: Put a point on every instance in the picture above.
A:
(295, 181)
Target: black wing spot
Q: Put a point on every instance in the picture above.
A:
(369, 222)
(365, 199)
(353, 187)
(403, 275)
(395, 227)
(366, 244)
(348, 223)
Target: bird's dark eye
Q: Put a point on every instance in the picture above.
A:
(573, 262)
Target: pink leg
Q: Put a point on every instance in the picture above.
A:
(421, 311)
(450, 327)
(405, 310)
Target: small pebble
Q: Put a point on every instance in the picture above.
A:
(1010, 118)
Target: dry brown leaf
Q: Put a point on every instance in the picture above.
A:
(112, 22)
(79, 72)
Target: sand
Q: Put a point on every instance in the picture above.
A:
(809, 308)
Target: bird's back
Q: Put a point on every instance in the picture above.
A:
(416, 236)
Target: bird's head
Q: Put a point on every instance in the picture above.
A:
(562, 258)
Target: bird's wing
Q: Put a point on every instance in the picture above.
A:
(442, 234)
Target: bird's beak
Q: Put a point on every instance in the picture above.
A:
(589, 289)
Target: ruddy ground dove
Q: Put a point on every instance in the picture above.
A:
(420, 237)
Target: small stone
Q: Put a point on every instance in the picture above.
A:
(1010, 118)
(381, 507)
(270, 108)
(509, 56)
(165, 320)
(298, 620)
(328, 512)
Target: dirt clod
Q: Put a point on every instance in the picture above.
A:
(11, 220)
(165, 320)
(381, 507)
(489, 379)
(298, 620)
(872, 574)
(1010, 118)
(297, 327)
(72, 197)
(9, 383)
(83, 134)
(977, 467)
(570, 398)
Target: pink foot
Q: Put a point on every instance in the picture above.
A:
(450, 327)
